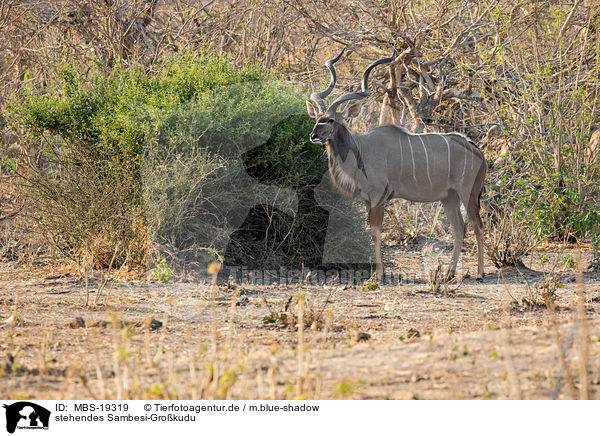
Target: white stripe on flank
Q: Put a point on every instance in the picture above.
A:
(472, 157)
(465, 167)
(413, 159)
(426, 160)
(448, 144)
(401, 158)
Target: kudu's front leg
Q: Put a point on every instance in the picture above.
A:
(376, 223)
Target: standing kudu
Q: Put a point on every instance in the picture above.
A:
(391, 162)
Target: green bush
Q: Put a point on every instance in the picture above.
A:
(92, 130)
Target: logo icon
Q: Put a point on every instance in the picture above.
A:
(26, 415)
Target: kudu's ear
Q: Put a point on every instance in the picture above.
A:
(312, 112)
(352, 110)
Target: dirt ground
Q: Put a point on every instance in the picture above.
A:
(470, 340)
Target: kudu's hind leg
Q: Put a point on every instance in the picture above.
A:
(473, 212)
(376, 222)
(452, 208)
(478, 228)
(472, 202)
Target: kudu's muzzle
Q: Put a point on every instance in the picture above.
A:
(314, 138)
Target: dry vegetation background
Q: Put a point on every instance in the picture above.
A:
(521, 78)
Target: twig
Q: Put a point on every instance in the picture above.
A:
(584, 393)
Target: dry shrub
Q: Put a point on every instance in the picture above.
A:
(507, 214)
(20, 238)
(508, 240)
(541, 296)
(314, 318)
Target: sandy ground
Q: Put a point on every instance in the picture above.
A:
(469, 340)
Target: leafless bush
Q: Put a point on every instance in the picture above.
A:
(289, 316)
(509, 237)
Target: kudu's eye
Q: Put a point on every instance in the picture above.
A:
(330, 120)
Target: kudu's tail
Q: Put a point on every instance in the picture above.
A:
(475, 199)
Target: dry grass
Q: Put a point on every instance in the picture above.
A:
(401, 342)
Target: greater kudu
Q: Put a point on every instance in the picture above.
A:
(391, 162)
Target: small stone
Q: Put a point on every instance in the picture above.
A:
(77, 323)
(515, 306)
(155, 324)
(242, 301)
(412, 333)
(362, 337)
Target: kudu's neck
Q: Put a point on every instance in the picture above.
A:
(342, 143)
(345, 171)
